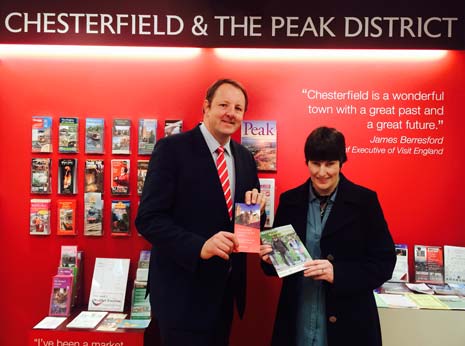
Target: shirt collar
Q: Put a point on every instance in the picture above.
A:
(212, 143)
(313, 197)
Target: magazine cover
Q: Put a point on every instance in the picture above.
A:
(66, 212)
(120, 218)
(121, 136)
(68, 135)
(60, 299)
(289, 253)
(429, 264)
(147, 136)
(41, 178)
(247, 227)
(267, 188)
(93, 176)
(142, 167)
(93, 214)
(41, 134)
(173, 127)
(400, 273)
(120, 177)
(95, 135)
(454, 264)
(40, 217)
(67, 176)
(259, 136)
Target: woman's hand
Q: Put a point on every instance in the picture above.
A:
(265, 251)
(319, 270)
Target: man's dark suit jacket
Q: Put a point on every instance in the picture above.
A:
(182, 205)
(357, 241)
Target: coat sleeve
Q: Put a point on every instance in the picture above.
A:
(155, 220)
(373, 260)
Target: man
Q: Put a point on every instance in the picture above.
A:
(194, 274)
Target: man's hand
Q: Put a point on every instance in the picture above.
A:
(222, 244)
(255, 197)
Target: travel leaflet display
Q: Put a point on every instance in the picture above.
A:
(109, 281)
(68, 135)
(41, 175)
(147, 136)
(95, 130)
(289, 253)
(42, 134)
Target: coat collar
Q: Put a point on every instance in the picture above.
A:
(342, 211)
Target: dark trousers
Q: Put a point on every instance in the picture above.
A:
(217, 335)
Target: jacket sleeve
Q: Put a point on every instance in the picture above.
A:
(373, 260)
(155, 220)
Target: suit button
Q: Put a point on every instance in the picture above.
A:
(330, 257)
(332, 319)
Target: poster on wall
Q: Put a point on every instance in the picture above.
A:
(260, 137)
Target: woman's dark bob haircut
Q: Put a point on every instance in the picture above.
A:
(325, 144)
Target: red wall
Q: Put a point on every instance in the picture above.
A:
(421, 196)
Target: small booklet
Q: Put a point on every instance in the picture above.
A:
(247, 227)
(420, 288)
(111, 322)
(87, 319)
(289, 253)
(135, 324)
(50, 322)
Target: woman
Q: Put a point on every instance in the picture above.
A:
(343, 228)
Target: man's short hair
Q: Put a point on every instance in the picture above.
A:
(212, 90)
(325, 144)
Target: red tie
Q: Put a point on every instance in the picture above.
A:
(224, 178)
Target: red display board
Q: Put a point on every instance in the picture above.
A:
(402, 118)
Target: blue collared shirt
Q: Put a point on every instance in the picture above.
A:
(311, 318)
(213, 144)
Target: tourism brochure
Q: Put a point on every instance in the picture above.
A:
(400, 273)
(454, 264)
(267, 188)
(111, 322)
(135, 324)
(87, 319)
(108, 287)
(49, 322)
(289, 253)
(398, 301)
(247, 227)
(424, 301)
